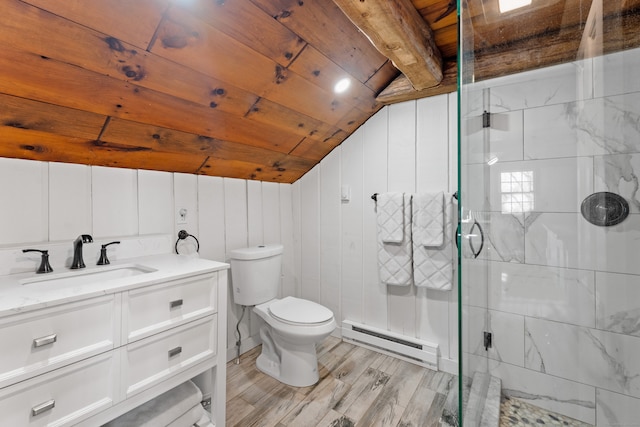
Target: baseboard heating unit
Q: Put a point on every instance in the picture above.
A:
(412, 350)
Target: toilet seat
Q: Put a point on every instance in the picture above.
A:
(299, 311)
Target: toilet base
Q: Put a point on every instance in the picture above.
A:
(291, 364)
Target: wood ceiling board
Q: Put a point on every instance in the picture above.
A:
(294, 166)
(125, 132)
(268, 112)
(132, 21)
(317, 150)
(74, 44)
(244, 170)
(554, 17)
(506, 28)
(317, 102)
(335, 138)
(267, 36)
(77, 88)
(421, 4)
(46, 147)
(187, 40)
(556, 47)
(62, 84)
(314, 66)
(27, 114)
(385, 75)
(323, 25)
(111, 155)
(439, 15)
(442, 17)
(353, 120)
(399, 32)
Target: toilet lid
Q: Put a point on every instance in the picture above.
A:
(298, 310)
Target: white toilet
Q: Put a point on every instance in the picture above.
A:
(293, 325)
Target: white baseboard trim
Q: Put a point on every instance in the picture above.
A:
(449, 366)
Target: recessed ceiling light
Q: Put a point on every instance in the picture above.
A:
(342, 85)
(508, 5)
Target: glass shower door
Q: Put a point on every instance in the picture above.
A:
(549, 160)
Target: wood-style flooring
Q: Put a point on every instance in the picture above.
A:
(357, 387)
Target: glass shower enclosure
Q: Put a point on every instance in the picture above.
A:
(549, 241)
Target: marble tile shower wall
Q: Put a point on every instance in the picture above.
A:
(563, 295)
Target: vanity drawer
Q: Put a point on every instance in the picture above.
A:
(62, 397)
(41, 340)
(153, 309)
(154, 359)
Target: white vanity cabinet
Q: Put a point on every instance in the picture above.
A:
(42, 340)
(168, 328)
(64, 396)
(149, 310)
(85, 357)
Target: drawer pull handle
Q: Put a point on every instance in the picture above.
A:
(176, 303)
(43, 407)
(49, 339)
(175, 351)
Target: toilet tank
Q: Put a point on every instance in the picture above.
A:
(255, 273)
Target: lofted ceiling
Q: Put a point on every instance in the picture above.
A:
(235, 88)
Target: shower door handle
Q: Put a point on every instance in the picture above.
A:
(473, 249)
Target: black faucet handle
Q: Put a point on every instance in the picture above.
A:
(45, 267)
(103, 253)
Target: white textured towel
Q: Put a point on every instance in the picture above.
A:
(189, 418)
(394, 259)
(390, 217)
(204, 421)
(428, 219)
(162, 410)
(433, 266)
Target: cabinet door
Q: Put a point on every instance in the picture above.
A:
(62, 397)
(41, 340)
(153, 309)
(152, 360)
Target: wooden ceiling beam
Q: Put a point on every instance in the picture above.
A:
(400, 89)
(400, 33)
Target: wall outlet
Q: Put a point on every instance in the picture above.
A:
(182, 216)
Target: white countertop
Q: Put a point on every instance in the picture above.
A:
(16, 297)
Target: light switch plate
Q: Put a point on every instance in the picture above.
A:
(182, 216)
(345, 193)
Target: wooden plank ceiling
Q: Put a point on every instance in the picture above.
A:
(234, 88)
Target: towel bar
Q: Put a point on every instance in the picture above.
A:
(374, 196)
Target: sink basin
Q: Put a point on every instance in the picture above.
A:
(80, 277)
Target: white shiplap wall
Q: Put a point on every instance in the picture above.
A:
(330, 245)
(55, 202)
(407, 147)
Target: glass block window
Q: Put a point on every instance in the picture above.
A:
(517, 192)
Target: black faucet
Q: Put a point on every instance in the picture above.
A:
(103, 254)
(78, 262)
(45, 267)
